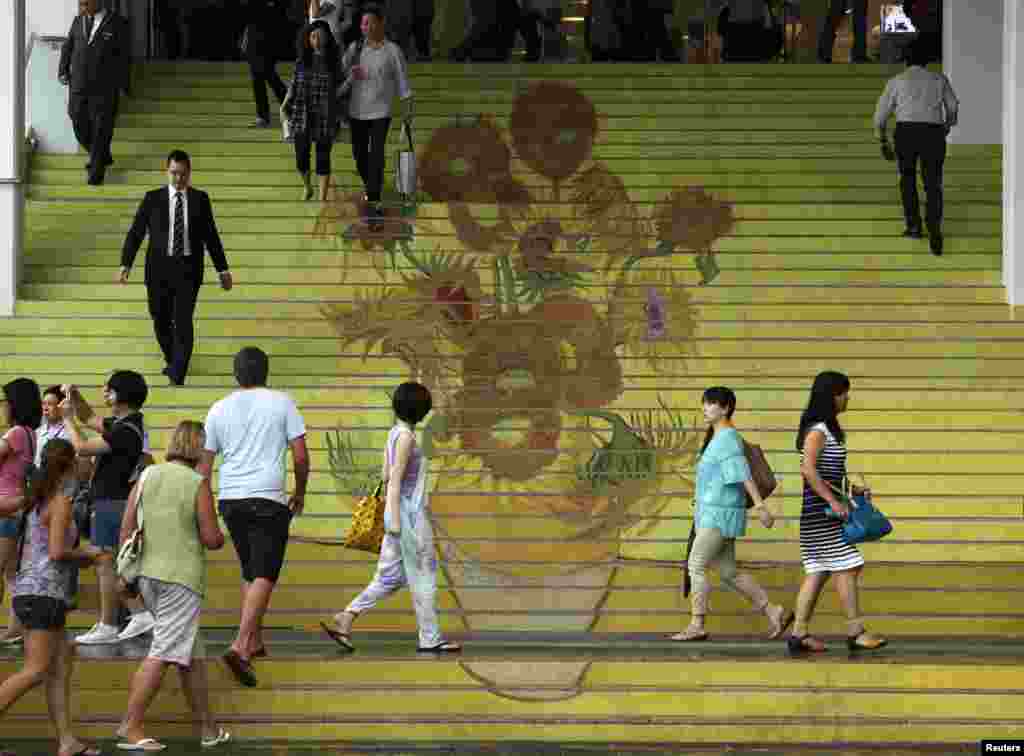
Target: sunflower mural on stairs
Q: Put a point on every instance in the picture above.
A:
(555, 295)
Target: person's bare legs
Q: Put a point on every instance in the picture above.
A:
(145, 685)
(195, 686)
(8, 556)
(847, 584)
(58, 697)
(256, 599)
(806, 601)
(40, 646)
(110, 602)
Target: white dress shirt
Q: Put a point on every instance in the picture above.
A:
(918, 96)
(97, 20)
(172, 192)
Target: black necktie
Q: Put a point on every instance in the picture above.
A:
(88, 28)
(179, 226)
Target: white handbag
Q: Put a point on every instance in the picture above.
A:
(405, 166)
(129, 556)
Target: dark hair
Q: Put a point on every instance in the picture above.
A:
(724, 398)
(179, 156)
(375, 9)
(57, 459)
(304, 49)
(130, 387)
(252, 366)
(55, 390)
(22, 394)
(411, 402)
(821, 407)
(919, 53)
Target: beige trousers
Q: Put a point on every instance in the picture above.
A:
(710, 547)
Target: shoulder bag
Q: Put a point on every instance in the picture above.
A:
(366, 532)
(866, 522)
(760, 472)
(129, 556)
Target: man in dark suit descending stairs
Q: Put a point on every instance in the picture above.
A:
(94, 63)
(179, 222)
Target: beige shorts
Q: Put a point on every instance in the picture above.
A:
(176, 611)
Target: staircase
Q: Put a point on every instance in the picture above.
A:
(593, 246)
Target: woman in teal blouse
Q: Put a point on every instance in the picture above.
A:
(723, 480)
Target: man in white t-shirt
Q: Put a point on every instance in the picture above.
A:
(252, 429)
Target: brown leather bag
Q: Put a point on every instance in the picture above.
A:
(760, 472)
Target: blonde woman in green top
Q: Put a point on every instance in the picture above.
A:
(723, 480)
(180, 523)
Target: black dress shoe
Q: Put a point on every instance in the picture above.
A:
(95, 180)
(166, 371)
(935, 242)
(913, 233)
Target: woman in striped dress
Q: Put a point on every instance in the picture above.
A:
(822, 445)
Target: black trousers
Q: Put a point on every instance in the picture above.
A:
(827, 37)
(262, 71)
(649, 35)
(369, 139)
(92, 117)
(172, 291)
(303, 144)
(422, 26)
(924, 142)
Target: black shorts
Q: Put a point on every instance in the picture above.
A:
(259, 530)
(40, 612)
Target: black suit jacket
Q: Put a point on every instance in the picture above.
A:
(100, 66)
(154, 218)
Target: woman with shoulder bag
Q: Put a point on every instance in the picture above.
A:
(311, 105)
(378, 73)
(821, 442)
(723, 480)
(23, 414)
(48, 561)
(174, 505)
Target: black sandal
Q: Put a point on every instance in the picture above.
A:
(801, 644)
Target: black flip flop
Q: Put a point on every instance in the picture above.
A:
(241, 669)
(447, 647)
(342, 639)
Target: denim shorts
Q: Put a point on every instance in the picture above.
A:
(10, 526)
(106, 523)
(40, 612)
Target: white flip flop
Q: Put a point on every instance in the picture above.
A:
(223, 736)
(146, 744)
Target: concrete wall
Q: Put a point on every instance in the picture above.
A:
(972, 52)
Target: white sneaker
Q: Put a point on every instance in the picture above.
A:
(97, 635)
(140, 624)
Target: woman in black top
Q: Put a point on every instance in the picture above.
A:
(312, 104)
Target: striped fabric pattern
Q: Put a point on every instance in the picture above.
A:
(822, 548)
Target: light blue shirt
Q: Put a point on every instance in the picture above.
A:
(252, 429)
(721, 499)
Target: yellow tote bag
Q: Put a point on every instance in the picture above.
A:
(366, 533)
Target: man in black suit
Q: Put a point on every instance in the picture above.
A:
(180, 224)
(94, 62)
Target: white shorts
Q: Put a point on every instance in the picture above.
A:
(176, 611)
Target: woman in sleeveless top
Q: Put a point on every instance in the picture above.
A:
(47, 563)
(407, 553)
(723, 479)
(823, 551)
(180, 523)
(23, 414)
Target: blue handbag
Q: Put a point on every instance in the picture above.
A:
(866, 522)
